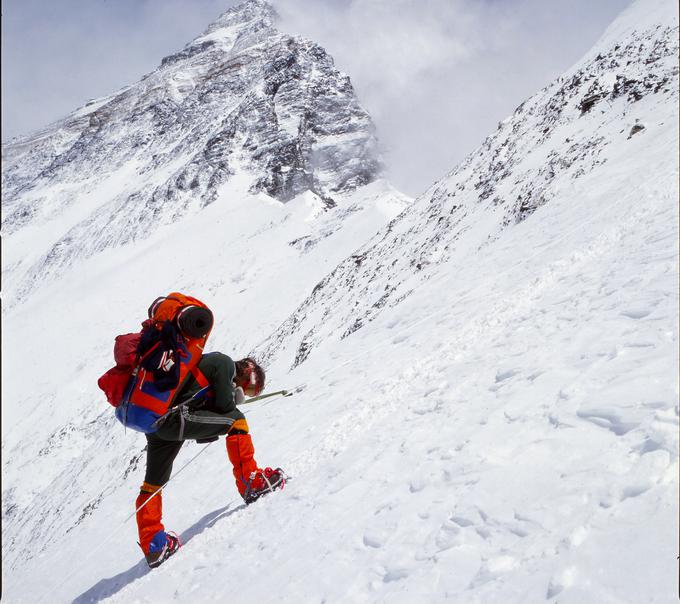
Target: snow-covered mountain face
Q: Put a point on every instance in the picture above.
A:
(241, 170)
(555, 140)
(499, 422)
(242, 99)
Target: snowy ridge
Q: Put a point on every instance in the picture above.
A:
(553, 140)
(241, 101)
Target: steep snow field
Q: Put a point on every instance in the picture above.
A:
(510, 438)
(508, 432)
(60, 426)
(504, 440)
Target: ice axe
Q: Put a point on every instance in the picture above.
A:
(270, 394)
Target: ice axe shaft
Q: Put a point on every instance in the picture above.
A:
(269, 395)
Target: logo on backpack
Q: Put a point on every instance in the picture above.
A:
(167, 362)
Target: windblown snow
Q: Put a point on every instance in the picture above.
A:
(486, 390)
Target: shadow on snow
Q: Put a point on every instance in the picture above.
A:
(108, 587)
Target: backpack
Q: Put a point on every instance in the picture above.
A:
(153, 366)
(115, 381)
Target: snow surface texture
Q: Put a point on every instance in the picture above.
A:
(506, 432)
(242, 99)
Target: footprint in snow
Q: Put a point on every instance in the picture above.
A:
(559, 581)
(517, 530)
(395, 574)
(447, 537)
(501, 377)
(417, 485)
(636, 313)
(425, 407)
(373, 540)
(649, 445)
(607, 419)
(535, 375)
(639, 345)
(377, 536)
(462, 521)
(634, 491)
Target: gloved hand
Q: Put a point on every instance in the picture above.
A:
(239, 396)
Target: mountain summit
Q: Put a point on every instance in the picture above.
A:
(242, 103)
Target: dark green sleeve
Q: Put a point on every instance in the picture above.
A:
(219, 369)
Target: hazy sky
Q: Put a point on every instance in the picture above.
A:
(436, 75)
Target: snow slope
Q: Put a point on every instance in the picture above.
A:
(553, 142)
(65, 331)
(506, 432)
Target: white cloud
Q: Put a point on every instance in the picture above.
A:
(437, 75)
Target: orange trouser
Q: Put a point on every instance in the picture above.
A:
(241, 454)
(149, 517)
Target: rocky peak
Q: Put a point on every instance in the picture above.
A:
(243, 102)
(253, 14)
(242, 26)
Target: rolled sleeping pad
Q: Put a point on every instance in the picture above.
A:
(195, 321)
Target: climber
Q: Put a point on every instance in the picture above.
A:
(203, 418)
(175, 394)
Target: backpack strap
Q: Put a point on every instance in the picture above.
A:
(154, 305)
(206, 389)
(201, 380)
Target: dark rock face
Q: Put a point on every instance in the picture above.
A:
(557, 137)
(242, 98)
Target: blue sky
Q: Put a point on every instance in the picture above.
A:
(436, 75)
